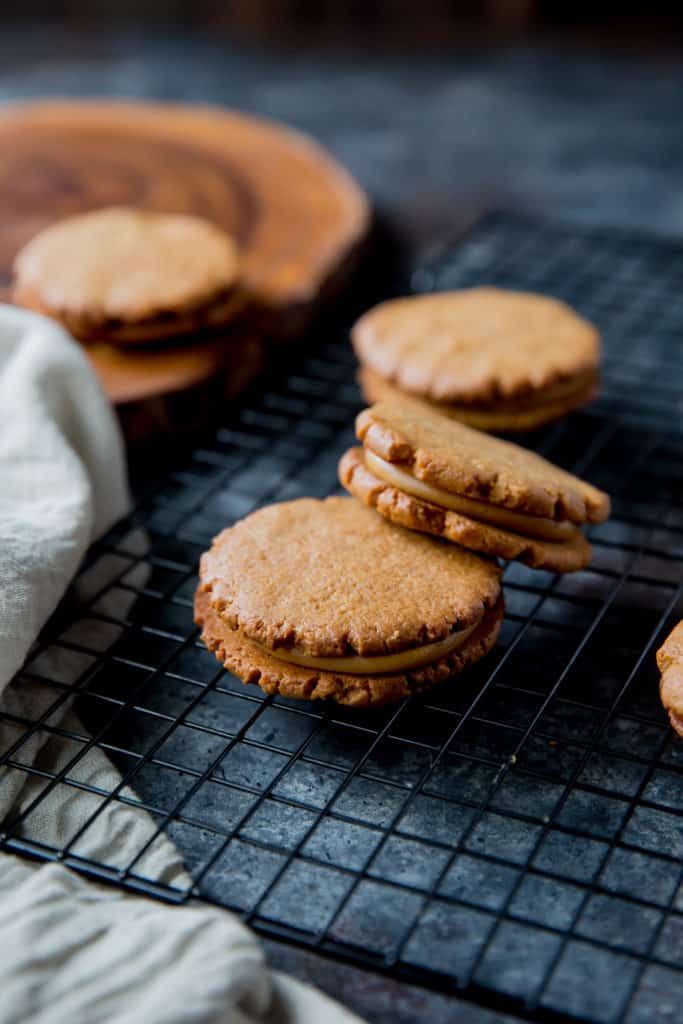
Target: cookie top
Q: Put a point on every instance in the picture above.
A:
(453, 457)
(475, 345)
(334, 578)
(121, 266)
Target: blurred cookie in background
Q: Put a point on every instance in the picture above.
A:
(494, 359)
(126, 276)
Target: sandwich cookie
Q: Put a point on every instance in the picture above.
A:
(496, 360)
(428, 473)
(325, 599)
(128, 276)
(670, 664)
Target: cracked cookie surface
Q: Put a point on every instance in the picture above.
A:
(332, 578)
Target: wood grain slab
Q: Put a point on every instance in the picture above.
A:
(296, 214)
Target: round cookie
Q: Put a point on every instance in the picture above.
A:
(492, 356)
(130, 276)
(670, 664)
(369, 613)
(436, 475)
(512, 417)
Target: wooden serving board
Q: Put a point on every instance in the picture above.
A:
(296, 214)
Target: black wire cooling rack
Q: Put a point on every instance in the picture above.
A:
(516, 835)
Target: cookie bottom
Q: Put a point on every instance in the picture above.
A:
(416, 514)
(670, 662)
(220, 311)
(513, 417)
(253, 665)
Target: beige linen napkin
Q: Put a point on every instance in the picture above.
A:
(73, 950)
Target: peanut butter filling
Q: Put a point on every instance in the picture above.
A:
(528, 526)
(378, 664)
(491, 419)
(521, 413)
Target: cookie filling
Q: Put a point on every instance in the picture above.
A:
(377, 664)
(492, 418)
(529, 526)
(218, 312)
(536, 398)
(503, 414)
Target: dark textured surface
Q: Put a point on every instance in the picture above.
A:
(433, 140)
(512, 901)
(380, 1000)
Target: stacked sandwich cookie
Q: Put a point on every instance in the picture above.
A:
(496, 360)
(423, 471)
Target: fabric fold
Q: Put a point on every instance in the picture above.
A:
(74, 950)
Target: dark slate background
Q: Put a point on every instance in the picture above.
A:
(433, 140)
(436, 142)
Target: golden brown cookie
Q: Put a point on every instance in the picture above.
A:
(670, 663)
(493, 358)
(129, 276)
(326, 599)
(428, 473)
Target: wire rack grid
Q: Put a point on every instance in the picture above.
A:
(516, 835)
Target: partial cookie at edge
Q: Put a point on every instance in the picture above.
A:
(415, 514)
(253, 665)
(670, 664)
